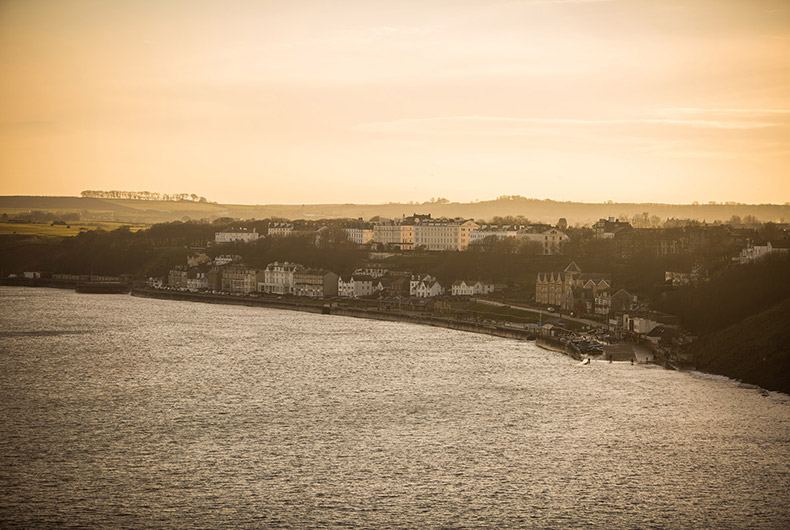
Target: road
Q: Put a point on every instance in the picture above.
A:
(585, 321)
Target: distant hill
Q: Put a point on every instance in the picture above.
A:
(144, 211)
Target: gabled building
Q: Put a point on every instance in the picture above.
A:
(280, 229)
(590, 293)
(622, 301)
(392, 285)
(755, 252)
(471, 288)
(573, 290)
(551, 240)
(355, 286)
(425, 287)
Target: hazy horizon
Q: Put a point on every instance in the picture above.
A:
(304, 102)
(432, 200)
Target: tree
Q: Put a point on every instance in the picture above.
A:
(770, 232)
(530, 248)
(331, 237)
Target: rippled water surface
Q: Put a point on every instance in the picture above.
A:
(125, 412)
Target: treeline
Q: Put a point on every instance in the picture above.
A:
(154, 251)
(37, 216)
(142, 196)
(730, 296)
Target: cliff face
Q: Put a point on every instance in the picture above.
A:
(756, 350)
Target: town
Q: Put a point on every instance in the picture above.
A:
(393, 268)
(612, 290)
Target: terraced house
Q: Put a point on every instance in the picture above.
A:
(444, 234)
(239, 279)
(236, 235)
(278, 278)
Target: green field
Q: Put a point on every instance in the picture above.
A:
(60, 231)
(147, 211)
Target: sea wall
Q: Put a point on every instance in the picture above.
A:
(39, 282)
(315, 306)
(558, 345)
(186, 296)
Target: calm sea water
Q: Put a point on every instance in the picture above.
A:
(133, 413)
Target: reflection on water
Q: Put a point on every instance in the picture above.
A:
(126, 412)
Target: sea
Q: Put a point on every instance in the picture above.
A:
(124, 412)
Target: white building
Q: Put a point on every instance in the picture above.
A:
(471, 288)
(443, 234)
(278, 278)
(425, 286)
(236, 235)
(485, 231)
(755, 252)
(397, 234)
(360, 236)
(644, 322)
(551, 240)
(354, 286)
(198, 283)
(224, 259)
(374, 271)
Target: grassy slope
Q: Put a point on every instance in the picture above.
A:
(537, 210)
(47, 231)
(756, 350)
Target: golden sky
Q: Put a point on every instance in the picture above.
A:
(306, 101)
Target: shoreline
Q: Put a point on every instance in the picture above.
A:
(332, 308)
(320, 307)
(310, 305)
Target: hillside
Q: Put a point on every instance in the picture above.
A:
(756, 350)
(144, 211)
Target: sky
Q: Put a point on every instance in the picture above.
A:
(372, 101)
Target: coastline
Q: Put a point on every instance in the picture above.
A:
(332, 308)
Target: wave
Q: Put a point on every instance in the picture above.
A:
(778, 397)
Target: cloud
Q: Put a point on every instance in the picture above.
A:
(527, 2)
(487, 125)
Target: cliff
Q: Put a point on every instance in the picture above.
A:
(755, 350)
